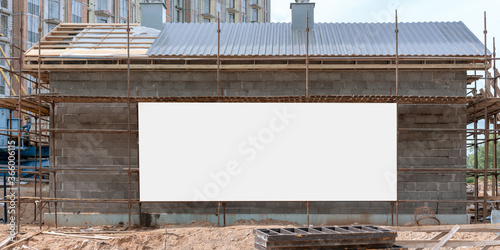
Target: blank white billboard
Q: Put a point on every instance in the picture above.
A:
(267, 152)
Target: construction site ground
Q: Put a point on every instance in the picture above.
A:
(196, 235)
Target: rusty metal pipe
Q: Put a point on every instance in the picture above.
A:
(21, 54)
(308, 206)
(218, 54)
(128, 121)
(486, 124)
(397, 54)
(307, 55)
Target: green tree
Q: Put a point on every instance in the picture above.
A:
(481, 155)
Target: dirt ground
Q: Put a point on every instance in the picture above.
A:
(470, 187)
(196, 235)
(457, 236)
(28, 209)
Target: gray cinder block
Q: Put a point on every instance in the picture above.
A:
(415, 149)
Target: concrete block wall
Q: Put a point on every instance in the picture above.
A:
(109, 151)
(94, 151)
(432, 150)
(280, 83)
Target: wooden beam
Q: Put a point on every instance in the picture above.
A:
(30, 56)
(99, 237)
(5, 242)
(121, 37)
(77, 37)
(437, 237)
(90, 32)
(329, 99)
(96, 24)
(447, 228)
(243, 67)
(488, 247)
(23, 239)
(450, 243)
(92, 46)
(97, 43)
(446, 238)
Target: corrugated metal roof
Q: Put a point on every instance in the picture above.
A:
(327, 39)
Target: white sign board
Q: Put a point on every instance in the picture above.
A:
(267, 152)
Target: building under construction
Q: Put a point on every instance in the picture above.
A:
(98, 73)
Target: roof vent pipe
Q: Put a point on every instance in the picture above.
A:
(300, 11)
(153, 14)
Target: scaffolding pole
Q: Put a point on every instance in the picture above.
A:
(486, 172)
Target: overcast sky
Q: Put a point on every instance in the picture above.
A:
(468, 11)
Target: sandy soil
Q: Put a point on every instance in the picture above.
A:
(197, 235)
(28, 209)
(457, 236)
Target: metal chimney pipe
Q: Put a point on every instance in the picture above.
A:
(153, 14)
(299, 14)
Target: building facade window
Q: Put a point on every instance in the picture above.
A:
(230, 4)
(2, 86)
(33, 7)
(206, 6)
(123, 8)
(76, 12)
(4, 4)
(255, 15)
(2, 61)
(4, 25)
(33, 22)
(195, 12)
(231, 17)
(102, 4)
(29, 84)
(132, 12)
(264, 15)
(32, 28)
(54, 8)
(244, 10)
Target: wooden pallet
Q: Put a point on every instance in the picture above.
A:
(348, 237)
